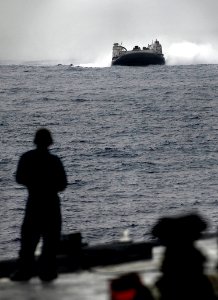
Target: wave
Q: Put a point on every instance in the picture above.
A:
(187, 53)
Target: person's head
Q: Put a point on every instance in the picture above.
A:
(183, 229)
(43, 138)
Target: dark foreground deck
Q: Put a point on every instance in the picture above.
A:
(73, 256)
(92, 284)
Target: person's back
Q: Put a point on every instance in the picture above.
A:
(41, 172)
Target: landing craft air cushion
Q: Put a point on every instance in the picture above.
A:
(150, 55)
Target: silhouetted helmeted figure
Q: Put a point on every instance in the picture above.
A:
(183, 273)
(44, 176)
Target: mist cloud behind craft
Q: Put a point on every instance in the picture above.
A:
(83, 31)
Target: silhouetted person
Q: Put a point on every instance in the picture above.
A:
(44, 176)
(129, 287)
(183, 273)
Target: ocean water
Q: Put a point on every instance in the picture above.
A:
(137, 144)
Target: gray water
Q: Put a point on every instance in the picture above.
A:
(137, 144)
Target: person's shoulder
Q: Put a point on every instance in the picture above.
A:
(29, 153)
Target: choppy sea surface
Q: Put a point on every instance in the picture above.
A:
(136, 143)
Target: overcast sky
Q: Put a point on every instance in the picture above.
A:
(85, 30)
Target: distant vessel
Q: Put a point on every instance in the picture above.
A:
(150, 55)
